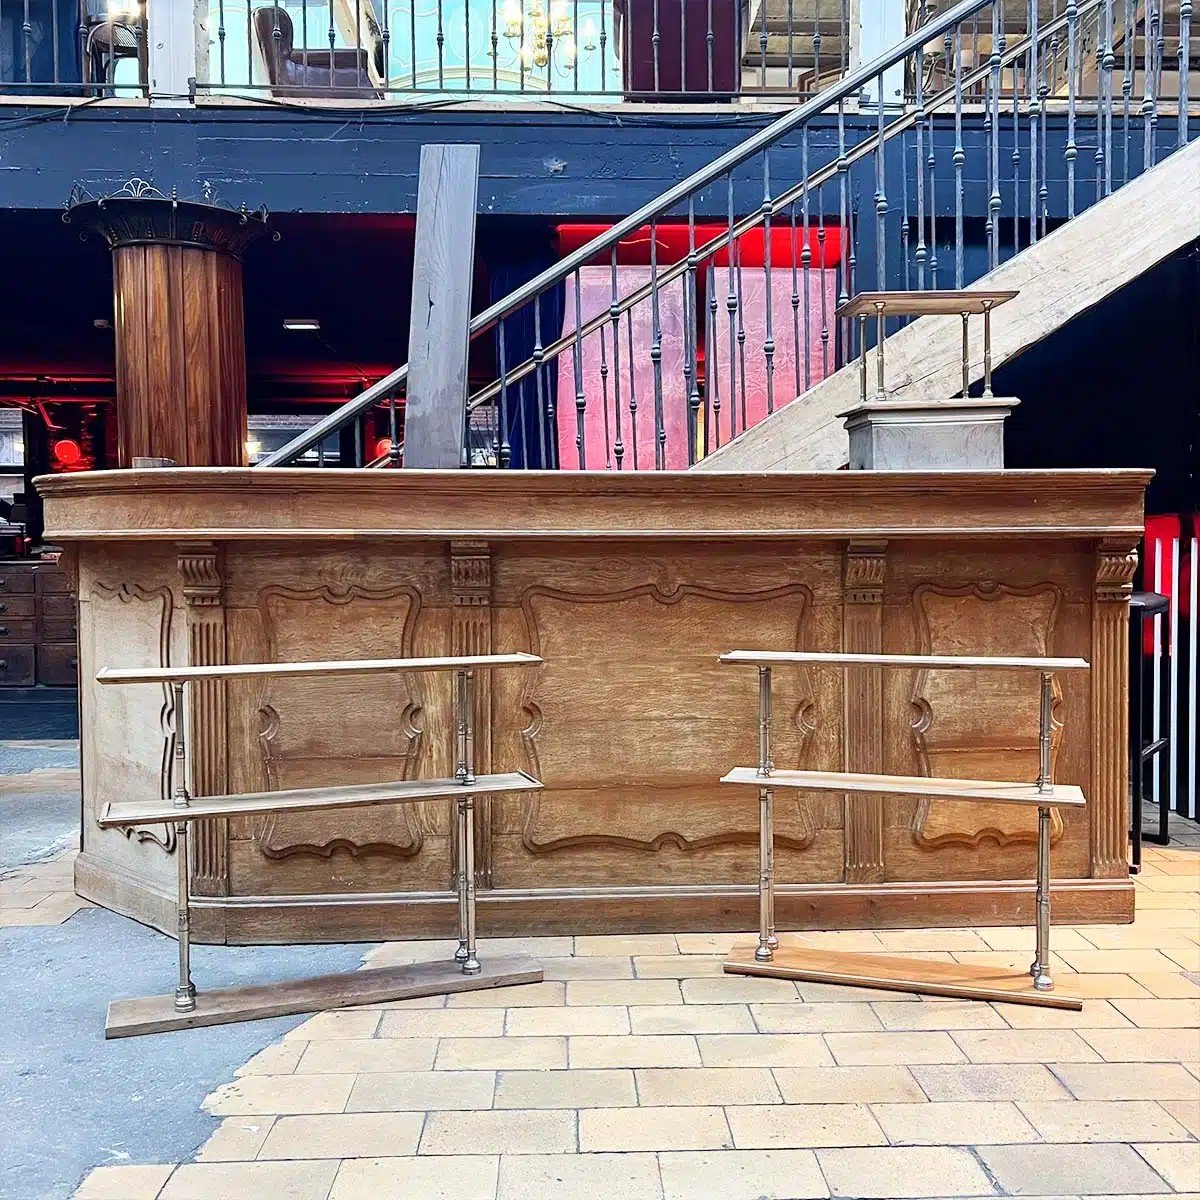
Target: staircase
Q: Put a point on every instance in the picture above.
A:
(1034, 150)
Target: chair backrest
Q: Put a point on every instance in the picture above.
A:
(273, 32)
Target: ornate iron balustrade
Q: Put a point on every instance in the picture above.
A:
(731, 315)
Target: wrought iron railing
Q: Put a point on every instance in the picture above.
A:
(713, 304)
(88, 48)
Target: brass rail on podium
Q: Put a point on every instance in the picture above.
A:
(893, 972)
(187, 1008)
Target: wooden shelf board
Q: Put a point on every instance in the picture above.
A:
(404, 791)
(892, 973)
(777, 658)
(373, 985)
(350, 666)
(923, 304)
(986, 790)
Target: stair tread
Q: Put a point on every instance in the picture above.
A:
(923, 304)
(150, 812)
(987, 790)
(767, 658)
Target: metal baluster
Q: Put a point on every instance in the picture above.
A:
(731, 308)
(881, 204)
(466, 41)
(575, 46)
(767, 942)
(655, 39)
(54, 34)
(959, 160)
(790, 34)
(1128, 36)
(540, 392)
(496, 49)
(795, 300)
(358, 56)
(1107, 62)
(1043, 105)
(221, 34)
(185, 990)
(843, 171)
(762, 46)
(993, 211)
(1149, 99)
(331, 33)
(806, 267)
(393, 433)
(844, 39)
(304, 33)
(608, 461)
(1016, 158)
(580, 397)
(520, 56)
(769, 342)
(817, 38)
(1071, 152)
(852, 252)
(709, 39)
(1160, 47)
(1185, 36)
(919, 163)
(683, 84)
(441, 47)
(712, 366)
(933, 251)
(505, 443)
(614, 313)
(412, 43)
(690, 370)
(633, 407)
(358, 441)
(741, 336)
(603, 49)
(386, 34)
(1035, 105)
(904, 231)
(821, 239)
(27, 43)
(656, 348)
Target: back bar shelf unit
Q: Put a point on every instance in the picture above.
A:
(187, 1008)
(891, 972)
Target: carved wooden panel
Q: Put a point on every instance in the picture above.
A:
(981, 725)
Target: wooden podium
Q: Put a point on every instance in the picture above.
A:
(889, 971)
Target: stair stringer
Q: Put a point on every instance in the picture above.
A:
(1069, 271)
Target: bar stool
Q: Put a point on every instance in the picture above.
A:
(1143, 607)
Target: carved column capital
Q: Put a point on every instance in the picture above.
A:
(200, 570)
(1116, 564)
(865, 565)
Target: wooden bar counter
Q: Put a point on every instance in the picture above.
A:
(629, 586)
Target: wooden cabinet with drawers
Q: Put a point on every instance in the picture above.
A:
(38, 641)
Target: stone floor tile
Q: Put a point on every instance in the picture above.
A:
(1188, 958)
(599, 992)
(397, 953)
(954, 1123)
(344, 1135)
(741, 1175)
(763, 1050)
(692, 1018)
(368, 1054)
(579, 1177)
(866, 1173)
(424, 1001)
(124, 1183)
(625, 1129)
(803, 1126)
(1016, 961)
(566, 1089)
(23, 897)
(666, 1050)
(833, 993)
(418, 1091)
(931, 939)
(428, 1177)
(990, 1081)
(933, 1015)
(501, 1054)
(280, 1095)
(739, 989)
(1135, 937)
(1127, 962)
(524, 995)
(341, 1023)
(236, 1139)
(1127, 1081)
(1102, 1121)
(308, 1180)
(1169, 985)
(851, 940)
(1144, 1045)
(1186, 1112)
(711, 943)
(621, 944)
(1103, 986)
(503, 1131)
(1095, 1014)
(1185, 883)
(1021, 938)
(660, 1086)
(1161, 1014)
(443, 1023)
(1089, 1169)
(847, 1085)
(860, 1049)
(1177, 1162)
(814, 1018)
(280, 1059)
(567, 1020)
(677, 966)
(1026, 1045)
(594, 967)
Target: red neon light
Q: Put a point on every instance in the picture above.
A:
(67, 452)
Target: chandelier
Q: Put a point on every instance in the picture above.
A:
(544, 33)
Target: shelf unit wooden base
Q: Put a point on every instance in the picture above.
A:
(897, 974)
(373, 985)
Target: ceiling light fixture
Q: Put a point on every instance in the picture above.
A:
(302, 324)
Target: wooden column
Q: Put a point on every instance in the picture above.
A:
(178, 324)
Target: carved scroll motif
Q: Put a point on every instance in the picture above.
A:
(343, 730)
(971, 726)
(127, 593)
(639, 761)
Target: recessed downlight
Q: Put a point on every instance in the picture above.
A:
(301, 324)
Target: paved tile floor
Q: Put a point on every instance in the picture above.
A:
(638, 1071)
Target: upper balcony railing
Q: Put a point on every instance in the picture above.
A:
(356, 52)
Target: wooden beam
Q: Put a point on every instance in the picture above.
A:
(435, 415)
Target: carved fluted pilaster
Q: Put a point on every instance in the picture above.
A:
(200, 570)
(862, 632)
(1108, 801)
(471, 633)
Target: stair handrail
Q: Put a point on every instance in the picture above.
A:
(837, 93)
